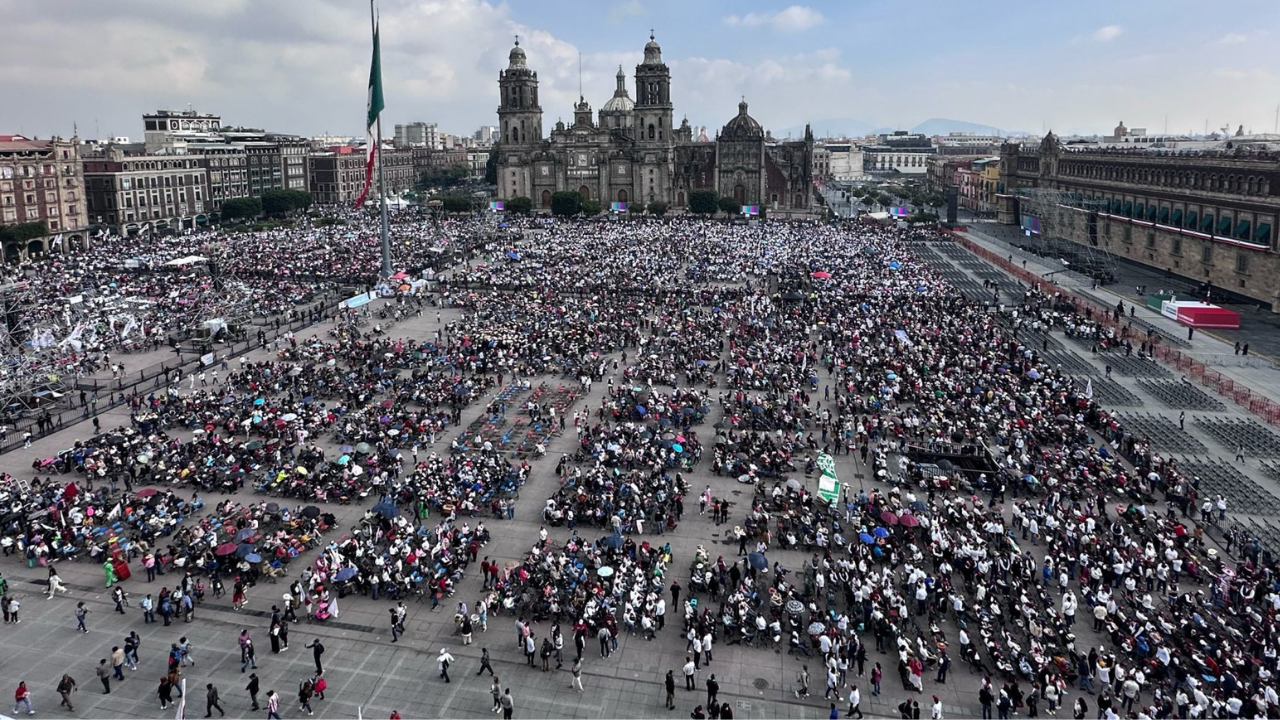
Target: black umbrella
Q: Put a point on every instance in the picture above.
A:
(311, 511)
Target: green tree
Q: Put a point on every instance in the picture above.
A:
(702, 202)
(277, 202)
(591, 208)
(728, 206)
(449, 176)
(657, 208)
(519, 205)
(455, 203)
(22, 232)
(491, 167)
(301, 199)
(566, 203)
(246, 208)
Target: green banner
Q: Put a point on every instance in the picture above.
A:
(828, 483)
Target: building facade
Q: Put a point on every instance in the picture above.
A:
(132, 193)
(847, 162)
(901, 153)
(172, 129)
(418, 134)
(43, 181)
(1208, 216)
(632, 151)
(337, 176)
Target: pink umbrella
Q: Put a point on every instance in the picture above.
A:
(909, 520)
(888, 517)
(821, 275)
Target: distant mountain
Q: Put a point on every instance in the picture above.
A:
(942, 126)
(834, 127)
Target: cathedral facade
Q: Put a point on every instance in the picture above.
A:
(631, 151)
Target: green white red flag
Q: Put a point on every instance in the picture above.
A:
(371, 118)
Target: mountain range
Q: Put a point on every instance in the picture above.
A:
(853, 127)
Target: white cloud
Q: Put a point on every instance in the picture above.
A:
(1233, 39)
(1106, 33)
(794, 19)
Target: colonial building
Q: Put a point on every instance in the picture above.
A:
(127, 193)
(901, 153)
(337, 176)
(42, 181)
(1207, 216)
(632, 151)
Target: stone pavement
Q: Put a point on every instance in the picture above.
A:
(365, 670)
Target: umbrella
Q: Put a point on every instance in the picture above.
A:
(357, 470)
(362, 448)
(880, 532)
(795, 607)
(225, 549)
(393, 432)
(273, 507)
(259, 402)
(605, 571)
(344, 459)
(677, 447)
(345, 574)
(613, 542)
(821, 275)
(909, 520)
(255, 445)
(243, 550)
(144, 459)
(386, 510)
(146, 492)
(254, 558)
(289, 417)
(889, 518)
(794, 484)
(310, 511)
(244, 534)
(816, 628)
(721, 440)
(346, 449)
(866, 538)
(640, 409)
(758, 560)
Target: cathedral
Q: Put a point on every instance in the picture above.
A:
(631, 151)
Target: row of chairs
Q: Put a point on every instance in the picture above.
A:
(1162, 432)
(1236, 432)
(1181, 396)
(1219, 476)
(1110, 393)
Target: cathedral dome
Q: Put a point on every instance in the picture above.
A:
(742, 126)
(652, 52)
(517, 58)
(621, 101)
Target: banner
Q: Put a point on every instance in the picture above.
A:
(828, 483)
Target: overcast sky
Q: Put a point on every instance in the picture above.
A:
(301, 66)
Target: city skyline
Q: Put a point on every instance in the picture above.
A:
(299, 67)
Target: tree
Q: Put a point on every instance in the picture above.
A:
(728, 206)
(657, 208)
(279, 202)
(491, 167)
(245, 208)
(301, 199)
(566, 203)
(455, 203)
(702, 202)
(591, 208)
(519, 205)
(22, 232)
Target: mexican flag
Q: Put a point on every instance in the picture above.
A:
(371, 118)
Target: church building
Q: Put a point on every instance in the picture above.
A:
(631, 151)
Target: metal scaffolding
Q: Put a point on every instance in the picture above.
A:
(1062, 214)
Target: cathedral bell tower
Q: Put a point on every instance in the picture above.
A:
(653, 99)
(519, 115)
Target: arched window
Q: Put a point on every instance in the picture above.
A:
(651, 131)
(680, 198)
(740, 194)
(546, 198)
(622, 196)
(585, 192)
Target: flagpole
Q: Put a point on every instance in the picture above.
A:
(382, 185)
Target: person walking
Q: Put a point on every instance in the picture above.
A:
(66, 686)
(22, 697)
(148, 609)
(443, 662)
(248, 655)
(165, 692)
(671, 689)
(117, 663)
(273, 705)
(211, 701)
(82, 613)
(508, 704)
(855, 700)
(104, 676)
(118, 596)
(713, 689)
(55, 584)
(689, 670)
(252, 689)
(484, 662)
(576, 669)
(319, 685)
(305, 691)
(317, 651)
(495, 689)
(131, 644)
